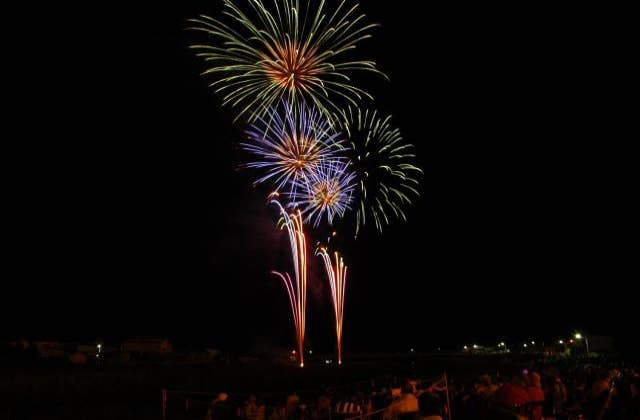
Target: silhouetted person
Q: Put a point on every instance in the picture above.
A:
(252, 409)
(430, 407)
(537, 396)
(221, 409)
(407, 404)
(323, 409)
(634, 405)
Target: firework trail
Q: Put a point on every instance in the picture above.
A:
(337, 280)
(284, 51)
(296, 288)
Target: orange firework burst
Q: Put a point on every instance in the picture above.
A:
(337, 280)
(292, 66)
(296, 287)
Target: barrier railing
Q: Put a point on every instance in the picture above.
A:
(191, 399)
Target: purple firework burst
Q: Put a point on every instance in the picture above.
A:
(326, 192)
(289, 144)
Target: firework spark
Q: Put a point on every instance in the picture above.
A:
(384, 164)
(284, 51)
(289, 144)
(296, 288)
(326, 192)
(337, 280)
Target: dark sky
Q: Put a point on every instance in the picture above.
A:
(128, 216)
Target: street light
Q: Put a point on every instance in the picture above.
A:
(560, 342)
(578, 336)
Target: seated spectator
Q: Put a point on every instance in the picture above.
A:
(430, 407)
(513, 397)
(407, 403)
(292, 409)
(634, 405)
(485, 388)
(220, 408)
(555, 394)
(536, 395)
(349, 407)
(601, 386)
(599, 397)
(513, 394)
(279, 413)
(251, 410)
(380, 400)
(322, 410)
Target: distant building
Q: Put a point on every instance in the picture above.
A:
(87, 349)
(601, 344)
(50, 349)
(78, 358)
(147, 346)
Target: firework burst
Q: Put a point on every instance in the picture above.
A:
(296, 287)
(337, 275)
(327, 191)
(384, 164)
(289, 144)
(284, 51)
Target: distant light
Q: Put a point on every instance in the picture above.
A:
(578, 336)
(310, 351)
(524, 345)
(533, 343)
(438, 348)
(327, 362)
(466, 348)
(501, 344)
(571, 341)
(412, 350)
(475, 346)
(293, 352)
(560, 342)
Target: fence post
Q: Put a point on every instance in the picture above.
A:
(446, 386)
(164, 404)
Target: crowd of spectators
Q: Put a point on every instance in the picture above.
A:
(566, 391)
(561, 391)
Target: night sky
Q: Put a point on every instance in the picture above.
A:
(128, 214)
